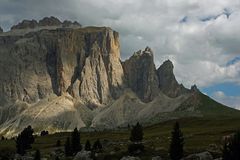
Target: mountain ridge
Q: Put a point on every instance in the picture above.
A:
(57, 78)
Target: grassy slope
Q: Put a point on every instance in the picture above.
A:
(211, 108)
(200, 133)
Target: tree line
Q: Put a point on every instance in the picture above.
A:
(73, 145)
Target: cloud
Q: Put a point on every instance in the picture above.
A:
(232, 101)
(200, 50)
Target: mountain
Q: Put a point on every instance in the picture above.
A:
(59, 75)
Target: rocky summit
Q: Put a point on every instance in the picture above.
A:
(59, 75)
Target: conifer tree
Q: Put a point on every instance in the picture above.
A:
(37, 155)
(88, 146)
(136, 138)
(97, 146)
(137, 133)
(24, 140)
(177, 142)
(75, 139)
(58, 143)
(67, 148)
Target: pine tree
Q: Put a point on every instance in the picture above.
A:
(24, 140)
(67, 148)
(58, 144)
(177, 142)
(88, 146)
(37, 155)
(97, 146)
(136, 138)
(137, 133)
(75, 139)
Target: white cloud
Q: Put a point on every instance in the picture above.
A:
(232, 101)
(199, 50)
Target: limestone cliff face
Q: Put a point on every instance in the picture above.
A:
(141, 74)
(84, 62)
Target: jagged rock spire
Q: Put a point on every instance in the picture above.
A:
(140, 73)
(46, 21)
(148, 50)
(194, 88)
(167, 81)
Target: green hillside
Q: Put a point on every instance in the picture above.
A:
(200, 134)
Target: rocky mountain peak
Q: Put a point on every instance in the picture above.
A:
(45, 22)
(194, 88)
(53, 77)
(49, 21)
(84, 62)
(167, 81)
(148, 50)
(25, 24)
(167, 66)
(140, 73)
(68, 23)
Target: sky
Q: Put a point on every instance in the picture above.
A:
(200, 37)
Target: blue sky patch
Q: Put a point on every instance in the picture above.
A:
(233, 61)
(184, 19)
(229, 89)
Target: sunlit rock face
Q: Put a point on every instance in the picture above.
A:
(85, 62)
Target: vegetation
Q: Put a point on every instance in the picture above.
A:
(200, 134)
(24, 140)
(73, 146)
(75, 141)
(37, 155)
(44, 133)
(232, 147)
(136, 138)
(97, 146)
(177, 142)
(58, 144)
(67, 148)
(136, 133)
(87, 146)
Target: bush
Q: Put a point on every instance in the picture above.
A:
(44, 133)
(135, 148)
